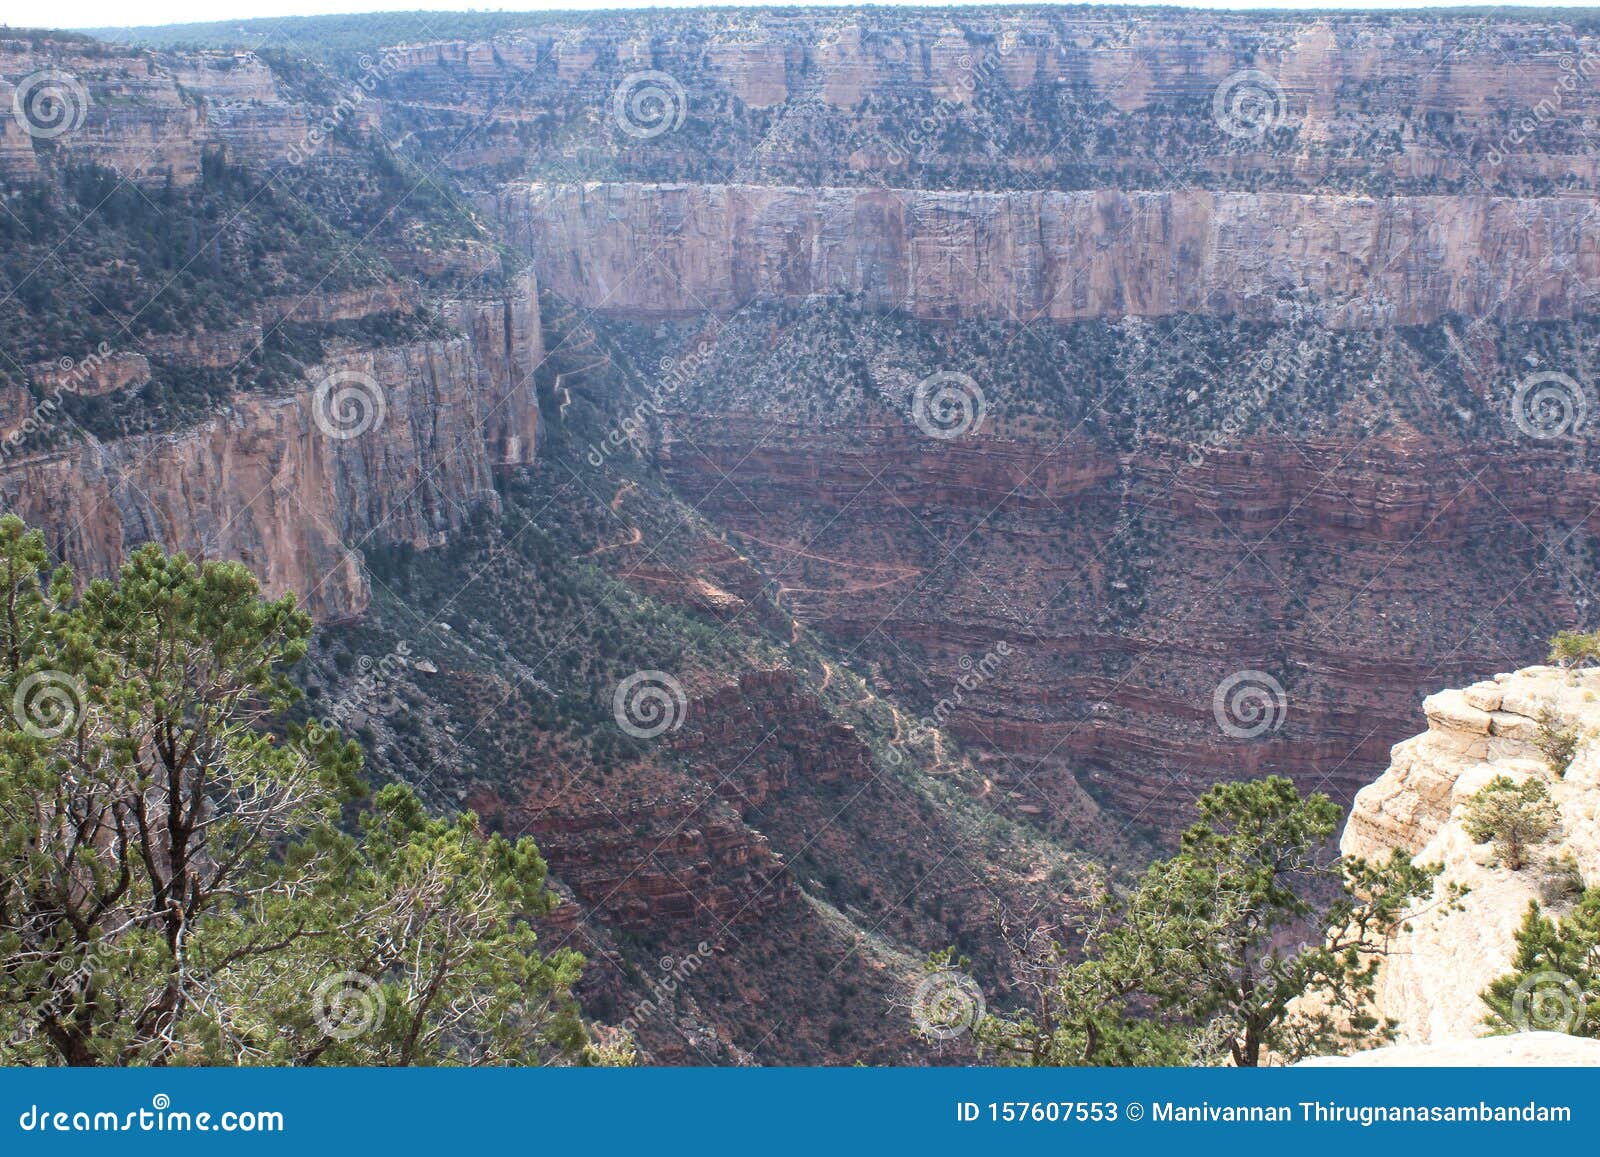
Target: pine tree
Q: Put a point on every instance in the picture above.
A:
(1555, 974)
(1513, 816)
(176, 884)
(1197, 964)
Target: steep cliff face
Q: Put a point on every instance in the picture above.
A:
(1135, 528)
(390, 445)
(660, 250)
(147, 116)
(1026, 99)
(1435, 969)
(1121, 586)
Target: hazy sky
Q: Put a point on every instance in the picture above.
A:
(101, 13)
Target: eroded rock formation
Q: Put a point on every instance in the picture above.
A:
(1435, 969)
(406, 454)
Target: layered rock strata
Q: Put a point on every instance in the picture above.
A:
(662, 250)
(389, 445)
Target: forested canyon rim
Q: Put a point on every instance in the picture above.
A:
(1241, 400)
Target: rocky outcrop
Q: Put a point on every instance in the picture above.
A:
(95, 376)
(120, 109)
(346, 305)
(1448, 954)
(660, 250)
(397, 444)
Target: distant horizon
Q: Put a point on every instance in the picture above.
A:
(87, 15)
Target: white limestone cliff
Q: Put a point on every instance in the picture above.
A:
(1436, 968)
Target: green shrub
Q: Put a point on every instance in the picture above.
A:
(1512, 816)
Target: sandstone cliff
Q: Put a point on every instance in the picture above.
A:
(145, 115)
(293, 493)
(654, 250)
(1033, 99)
(1431, 980)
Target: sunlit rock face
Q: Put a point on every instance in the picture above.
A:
(1438, 965)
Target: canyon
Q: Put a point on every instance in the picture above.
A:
(1236, 399)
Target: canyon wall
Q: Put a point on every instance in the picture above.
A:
(1052, 203)
(1130, 585)
(148, 117)
(1029, 99)
(391, 445)
(661, 250)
